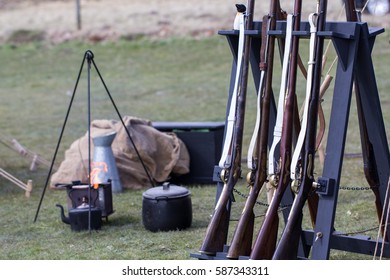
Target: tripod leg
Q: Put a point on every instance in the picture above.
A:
(59, 140)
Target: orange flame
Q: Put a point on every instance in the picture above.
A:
(96, 168)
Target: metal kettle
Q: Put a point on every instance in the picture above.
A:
(79, 217)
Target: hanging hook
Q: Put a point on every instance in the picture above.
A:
(89, 55)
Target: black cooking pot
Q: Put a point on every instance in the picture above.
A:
(166, 207)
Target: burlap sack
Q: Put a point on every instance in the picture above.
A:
(162, 154)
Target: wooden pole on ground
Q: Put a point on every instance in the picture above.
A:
(27, 187)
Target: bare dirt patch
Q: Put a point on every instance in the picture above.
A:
(111, 19)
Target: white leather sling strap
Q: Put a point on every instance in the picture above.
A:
(301, 137)
(250, 160)
(282, 93)
(225, 160)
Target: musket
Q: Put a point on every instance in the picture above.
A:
(369, 163)
(241, 243)
(288, 244)
(266, 236)
(218, 227)
(295, 161)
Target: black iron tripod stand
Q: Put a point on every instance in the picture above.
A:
(89, 57)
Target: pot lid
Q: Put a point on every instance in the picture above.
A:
(166, 191)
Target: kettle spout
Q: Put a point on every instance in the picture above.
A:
(63, 217)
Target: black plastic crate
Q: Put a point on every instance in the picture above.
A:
(204, 143)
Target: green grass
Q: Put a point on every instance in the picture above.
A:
(122, 237)
(167, 80)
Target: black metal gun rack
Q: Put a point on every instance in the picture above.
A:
(353, 42)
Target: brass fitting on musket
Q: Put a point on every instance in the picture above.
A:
(273, 180)
(295, 186)
(250, 178)
(224, 175)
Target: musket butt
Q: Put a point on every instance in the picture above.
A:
(207, 253)
(231, 257)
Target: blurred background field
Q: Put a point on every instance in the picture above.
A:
(162, 61)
